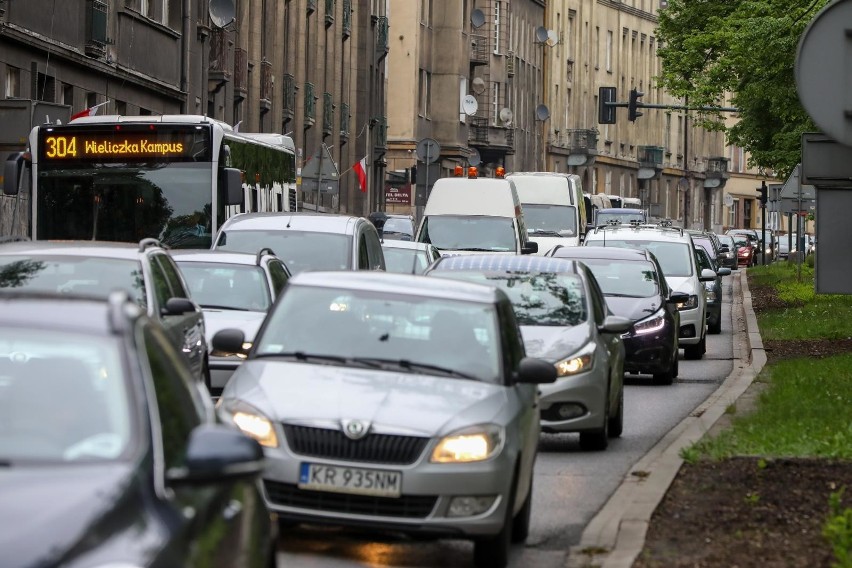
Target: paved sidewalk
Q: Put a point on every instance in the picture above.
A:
(616, 535)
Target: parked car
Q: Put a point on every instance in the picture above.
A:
(396, 402)
(728, 258)
(634, 286)
(234, 289)
(305, 241)
(406, 257)
(674, 249)
(93, 268)
(565, 320)
(714, 289)
(112, 452)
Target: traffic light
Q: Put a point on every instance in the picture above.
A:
(632, 105)
(762, 190)
(606, 113)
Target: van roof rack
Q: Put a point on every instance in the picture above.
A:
(262, 252)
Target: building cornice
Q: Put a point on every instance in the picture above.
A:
(74, 55)
(622, 7)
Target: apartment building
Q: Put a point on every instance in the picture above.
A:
(312, 69)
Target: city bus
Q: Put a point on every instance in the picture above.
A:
(124, 178)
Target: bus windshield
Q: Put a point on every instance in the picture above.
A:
(126, 202)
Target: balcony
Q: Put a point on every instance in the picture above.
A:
(716, 173)
(479, 49)
(96, 28)
(240, 74)
(265, 85)
(311, 6)
(484, 135)
(218, 71)
(380, 135)
(347, 18)
(582, 140)
(289, 106)
(344, 121)
(310, 104)
(382, 30)
(327, 114)
(329, 12)
(650, 160)
(510, 63)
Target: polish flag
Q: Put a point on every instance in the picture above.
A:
(361, 171)
(91, 111)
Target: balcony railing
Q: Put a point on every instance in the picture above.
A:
(344, 121)
(266, 84)
(240, 73)
(327, 114)
(219, 71)
(310, 104)
(717, 168)
(382, 29)
(582, 140)
(312, 6)
(380, 134)
(510, 63)
(650, 156)
(289, 96)
(330, 6)
(479, 49)
(96, 28)
(347, 18)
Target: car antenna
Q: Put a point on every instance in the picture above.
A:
(290, 218)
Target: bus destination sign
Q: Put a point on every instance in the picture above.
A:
(122, 145)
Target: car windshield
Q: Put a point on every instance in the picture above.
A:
(407, 261)
(726, 240)
(226, 286)
(672, 256)
(398, 226)
(63, 397)
(407, 332)
(298, 250)
(476, 233)
(559, 219)
(742, 241)
(626, 278)
(91, 276)
(539, 298)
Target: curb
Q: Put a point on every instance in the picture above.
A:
(616, 535)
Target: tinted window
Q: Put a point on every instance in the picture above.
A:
(299, 250)
(363, 253)
(624, 277)
(279, 277)
(478, 233)
(162, 290)
(172, 275)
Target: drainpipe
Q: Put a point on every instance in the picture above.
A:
(185, 42)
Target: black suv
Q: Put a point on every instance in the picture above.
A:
(93, 268)
(100, 415)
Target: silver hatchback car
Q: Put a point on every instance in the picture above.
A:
(393, 401)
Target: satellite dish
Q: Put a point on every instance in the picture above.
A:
(542, 112)
(469, 105)
(478, 85)
(475, 159)
(506, 116)
(552, 38)
(477, 18)
(222, 12)
(541, 34)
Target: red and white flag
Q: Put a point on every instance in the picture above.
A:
(361, 171)
(91, 111)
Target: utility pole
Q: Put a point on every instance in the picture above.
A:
(686, 191)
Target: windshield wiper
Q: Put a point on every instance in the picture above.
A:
(302, 356)
(217, 307)
(546, 232)
(616, 295)
(477, 249)
(415, 366)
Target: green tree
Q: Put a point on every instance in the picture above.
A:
(710, 48)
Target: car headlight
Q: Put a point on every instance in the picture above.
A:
(710, 291)
(690, 304)
(473, 444)
(578, 363)
(650, 324)
(250, 420)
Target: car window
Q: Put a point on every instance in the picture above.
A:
(405, 261)
(476, 233)
(673, 256)
(170, 269)
(227, 286)
(363, 254)
(162, 290)
(279, 277)
(298, 250)
(624, 277)
(178, 402)
(374, 250)
(331, 322)
(702, 260)
(512, 339)
(596, 299)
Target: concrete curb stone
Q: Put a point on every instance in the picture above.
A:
(616, 535)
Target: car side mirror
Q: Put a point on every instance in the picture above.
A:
(535, 371)
(723, 271)
(217, 453)
(678, 298)
(229, 341)
(707, 275)
(178, 306)
(530, 247)
(615, 324)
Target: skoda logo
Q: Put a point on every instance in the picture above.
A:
(355, 429)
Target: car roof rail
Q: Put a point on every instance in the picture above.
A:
(14, 238)
(150, 242)
(262, 252)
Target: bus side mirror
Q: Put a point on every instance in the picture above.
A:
(232, 180)
(12, 173)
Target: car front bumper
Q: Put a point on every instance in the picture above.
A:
(649, 353)
(691, 327)
(580, 398)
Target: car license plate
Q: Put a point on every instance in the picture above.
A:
(381, 483)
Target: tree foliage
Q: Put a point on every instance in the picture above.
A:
(745, 49)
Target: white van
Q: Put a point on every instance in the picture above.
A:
(553, 208)
(475, 215)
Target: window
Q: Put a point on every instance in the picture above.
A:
(497, 30)
(609, 51)
(425, 95)
(13, 82)
(172, 275)
(144, 7)
(67, 95)
(363, 255)
(162, 292)
(597, 47)
(278, 276)
(495, 102)
(426, 12)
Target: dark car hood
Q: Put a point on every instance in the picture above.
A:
(553, 343)
(633, 308)
(47, 510)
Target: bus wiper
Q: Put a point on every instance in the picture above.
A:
(415, 366)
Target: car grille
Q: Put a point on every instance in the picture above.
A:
(372, 448)
(406, 506)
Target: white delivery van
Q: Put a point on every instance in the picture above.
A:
(465, 215)
(553, 208)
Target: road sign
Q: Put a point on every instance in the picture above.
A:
(428, 150)
(321, 166)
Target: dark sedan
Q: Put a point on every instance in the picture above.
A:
(714, 290)
(110, 452)
(634, 287)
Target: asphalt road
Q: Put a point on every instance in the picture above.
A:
(570, 485)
